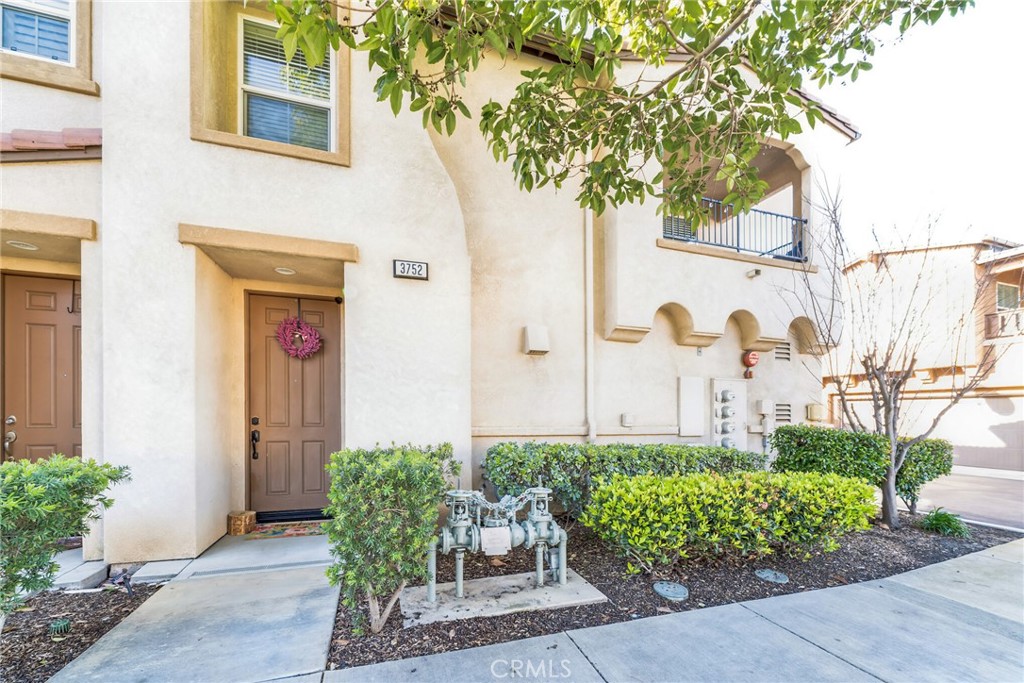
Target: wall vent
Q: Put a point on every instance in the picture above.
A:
(783, 412)
(784, 351)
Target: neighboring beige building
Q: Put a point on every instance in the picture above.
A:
(978, 283)
(146, 269)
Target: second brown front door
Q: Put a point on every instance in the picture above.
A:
(297, 404)
(42, 356)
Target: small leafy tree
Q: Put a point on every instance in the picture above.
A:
(383, 508)
(41, 503)
(693, 86)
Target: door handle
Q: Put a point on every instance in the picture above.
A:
(9, 438)
(254, 438)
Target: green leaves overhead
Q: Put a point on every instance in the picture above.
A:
(627, 86)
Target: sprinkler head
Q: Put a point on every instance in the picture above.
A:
(60, 626)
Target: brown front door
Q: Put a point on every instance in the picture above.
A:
(297, 404)
(42, 340)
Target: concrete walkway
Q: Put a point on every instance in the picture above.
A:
(243, 611)
(961, 620)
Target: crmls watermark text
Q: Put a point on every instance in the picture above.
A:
(529, 668)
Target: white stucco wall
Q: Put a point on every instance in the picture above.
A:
(406, 343)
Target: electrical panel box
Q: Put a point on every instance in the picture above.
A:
(728, 412)
(765, 407)
(691, 401)
(815, 412)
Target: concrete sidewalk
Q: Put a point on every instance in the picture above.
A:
(960, 620)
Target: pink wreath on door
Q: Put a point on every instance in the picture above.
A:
(298, 338)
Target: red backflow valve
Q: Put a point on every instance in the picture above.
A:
(750, 358)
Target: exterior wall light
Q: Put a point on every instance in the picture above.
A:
(18, 244)
(281, 270)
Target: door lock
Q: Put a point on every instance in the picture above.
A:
(11, 420)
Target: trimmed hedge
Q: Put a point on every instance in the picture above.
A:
(803, 448)
(925, 461)
(569, 469)
(658, 521)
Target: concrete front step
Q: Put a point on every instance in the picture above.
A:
(162, 570)
(85, 575)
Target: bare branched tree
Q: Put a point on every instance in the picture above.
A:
(890, 321)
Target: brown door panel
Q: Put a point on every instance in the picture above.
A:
(298, 403)
(42, 359)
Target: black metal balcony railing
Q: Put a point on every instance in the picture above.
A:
(1009, 323)
(764, 233)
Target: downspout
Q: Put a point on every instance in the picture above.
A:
(588, 323)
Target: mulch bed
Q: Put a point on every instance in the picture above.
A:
(28, 653)
(873, 554)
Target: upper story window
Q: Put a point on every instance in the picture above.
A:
(48, 42)
(246, 94)
(284, 101)
(41, 28)
(1007, 297)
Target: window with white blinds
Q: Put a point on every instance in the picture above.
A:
(283, 101)
(40, 28)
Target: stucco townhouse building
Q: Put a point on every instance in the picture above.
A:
(170, 197)
(968, 318)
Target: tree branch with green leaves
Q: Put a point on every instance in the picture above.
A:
(727, 75)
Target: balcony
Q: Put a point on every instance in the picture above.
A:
(1008, 323)
(762, 233)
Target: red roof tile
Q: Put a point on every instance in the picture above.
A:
(21, 140)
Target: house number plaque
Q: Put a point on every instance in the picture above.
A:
(411, 270)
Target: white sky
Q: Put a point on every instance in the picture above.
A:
(943, 132)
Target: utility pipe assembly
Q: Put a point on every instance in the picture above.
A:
(467, 529)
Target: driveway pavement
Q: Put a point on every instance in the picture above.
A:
(990, 500)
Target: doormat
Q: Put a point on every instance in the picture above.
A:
(285, 530)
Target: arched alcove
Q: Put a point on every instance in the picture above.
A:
(807, 338)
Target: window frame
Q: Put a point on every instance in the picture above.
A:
(331, 104)
(74, 75)
(1009, 285)
(339, 154)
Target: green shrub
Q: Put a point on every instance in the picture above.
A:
(658, 520)
(925, 461)
(945, 523)
(569, 469)
(42, 502)
(383, 508)
(803, 448)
